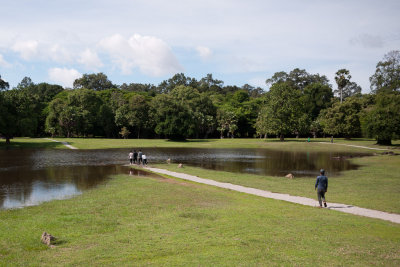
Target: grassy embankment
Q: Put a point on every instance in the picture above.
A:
(143, 221)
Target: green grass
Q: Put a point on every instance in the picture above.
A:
(141, 221)
(289, 144)
(375, 185)
(26, 142)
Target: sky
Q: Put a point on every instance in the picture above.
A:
(239, 42)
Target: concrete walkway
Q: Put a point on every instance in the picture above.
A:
(373, 148)
(64, 143)
(392, 217)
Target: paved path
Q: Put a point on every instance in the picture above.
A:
(64, 143)
(285, 197)
(373, 148)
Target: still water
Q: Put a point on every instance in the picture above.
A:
(31, 176)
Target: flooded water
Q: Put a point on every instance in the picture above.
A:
(29, 177)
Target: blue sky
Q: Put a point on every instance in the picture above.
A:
(238, 42)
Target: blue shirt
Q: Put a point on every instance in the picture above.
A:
(322, 182)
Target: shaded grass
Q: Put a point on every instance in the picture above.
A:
(375, 185)
(138, 221)
(26, 142)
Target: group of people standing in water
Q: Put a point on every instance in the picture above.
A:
(137, 157)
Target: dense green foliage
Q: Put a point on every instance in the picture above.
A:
(298, 104)
(382, 120)
(386, 77)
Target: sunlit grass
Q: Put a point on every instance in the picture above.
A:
(375, 185)
(290, 144)
(142, 221)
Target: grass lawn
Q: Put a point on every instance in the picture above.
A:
(375, 185)
(145, 221)
(26, 142)
(289, 144)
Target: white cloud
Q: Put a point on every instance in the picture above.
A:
(90, 60)
(204, 52)
(3, 62)
(26, 49)
(150, 54)
(64, 76)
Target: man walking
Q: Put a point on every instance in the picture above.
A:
(322, 187)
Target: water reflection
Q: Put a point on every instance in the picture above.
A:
(30, 186)
(259, 161)
(31, 176)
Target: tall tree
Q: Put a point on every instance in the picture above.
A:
(316, 97)
(343, 118)
(8, 117)
(264, 124)
(201, 107)
(382, 120)
(297, 78)
(227, 121)
(178, 79)
(18, 114)
(209, 84)
(25, 83)
(283, 109)
(139, 113)
(342, 78)
(94, 81)
(387, 74)
(173, 118)
(73, 113)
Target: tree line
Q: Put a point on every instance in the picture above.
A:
(298, 103)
